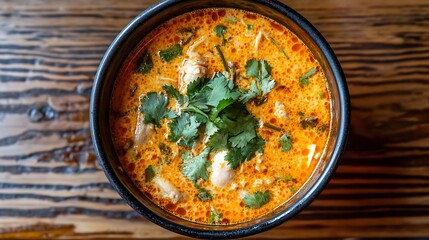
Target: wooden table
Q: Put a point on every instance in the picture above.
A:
(51, 185)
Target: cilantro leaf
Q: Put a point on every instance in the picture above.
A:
(195, 168)
(304, 79)
(220, 31)
(260, 70)
(170, 53)
(184, 130)
(236, 156)
(218, 141)
(153, 106)
(203, 194)
(252, 68)
(257, 199)
(220, 90)
(196, 85)
(286, 142)
(267, 83)
(214, 216)
(249, 27)
(149, 173)
(173, 93)
(210, 129)
(146, 63)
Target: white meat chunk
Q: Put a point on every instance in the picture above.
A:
(167, 189)
(142, 131)
(280, 111)
(222, 173)
(192, 67)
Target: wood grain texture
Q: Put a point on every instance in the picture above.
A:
(52, 187)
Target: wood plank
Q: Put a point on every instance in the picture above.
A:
(51, 185)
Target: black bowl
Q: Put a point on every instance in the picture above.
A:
(128, 39)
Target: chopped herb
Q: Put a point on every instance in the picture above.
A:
(203, 194)
(188, 33)
(219, 141)
(279, 47)
(309, 122)
(301, 113)
(268, 125)
(149, 173)
(304, 79)
(260, 70)
(230, 19)
(214, 216)
(285, 178)
(292, 189)
(146, 63)
(170, 53)
(195, 168)
(173, 93)
(321, 95)
(236, 156)
(184, 130)
(220, 31)
(249, 27)
(166, 153)
(257, 199)
(153, 106)
(222, 57)
(286, 142)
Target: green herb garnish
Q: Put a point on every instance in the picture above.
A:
(184, 130)
(279, 47)
(285, 178)
(222, 57)
(257, 199)
(173, 93)
(214, 216)
(304, 79)
(170, 53)
(286, 142)
(153, 106)
(260, 70)
(249, 27)
(195, 168)
(203, 194)
(220, 31)
(268, 125)
(146, 63)
(149, 173)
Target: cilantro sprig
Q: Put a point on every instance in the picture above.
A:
(170, 53)
(195, 168)
(304, 79)
(260, 70)
(146, 63)
(286, 142)
(220, 31)
(154, 108)
(257, 199)
(214, 216)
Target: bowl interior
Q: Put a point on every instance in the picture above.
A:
(129, 38)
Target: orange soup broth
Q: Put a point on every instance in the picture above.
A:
(258, 174)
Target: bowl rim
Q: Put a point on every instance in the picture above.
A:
(320, 183)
